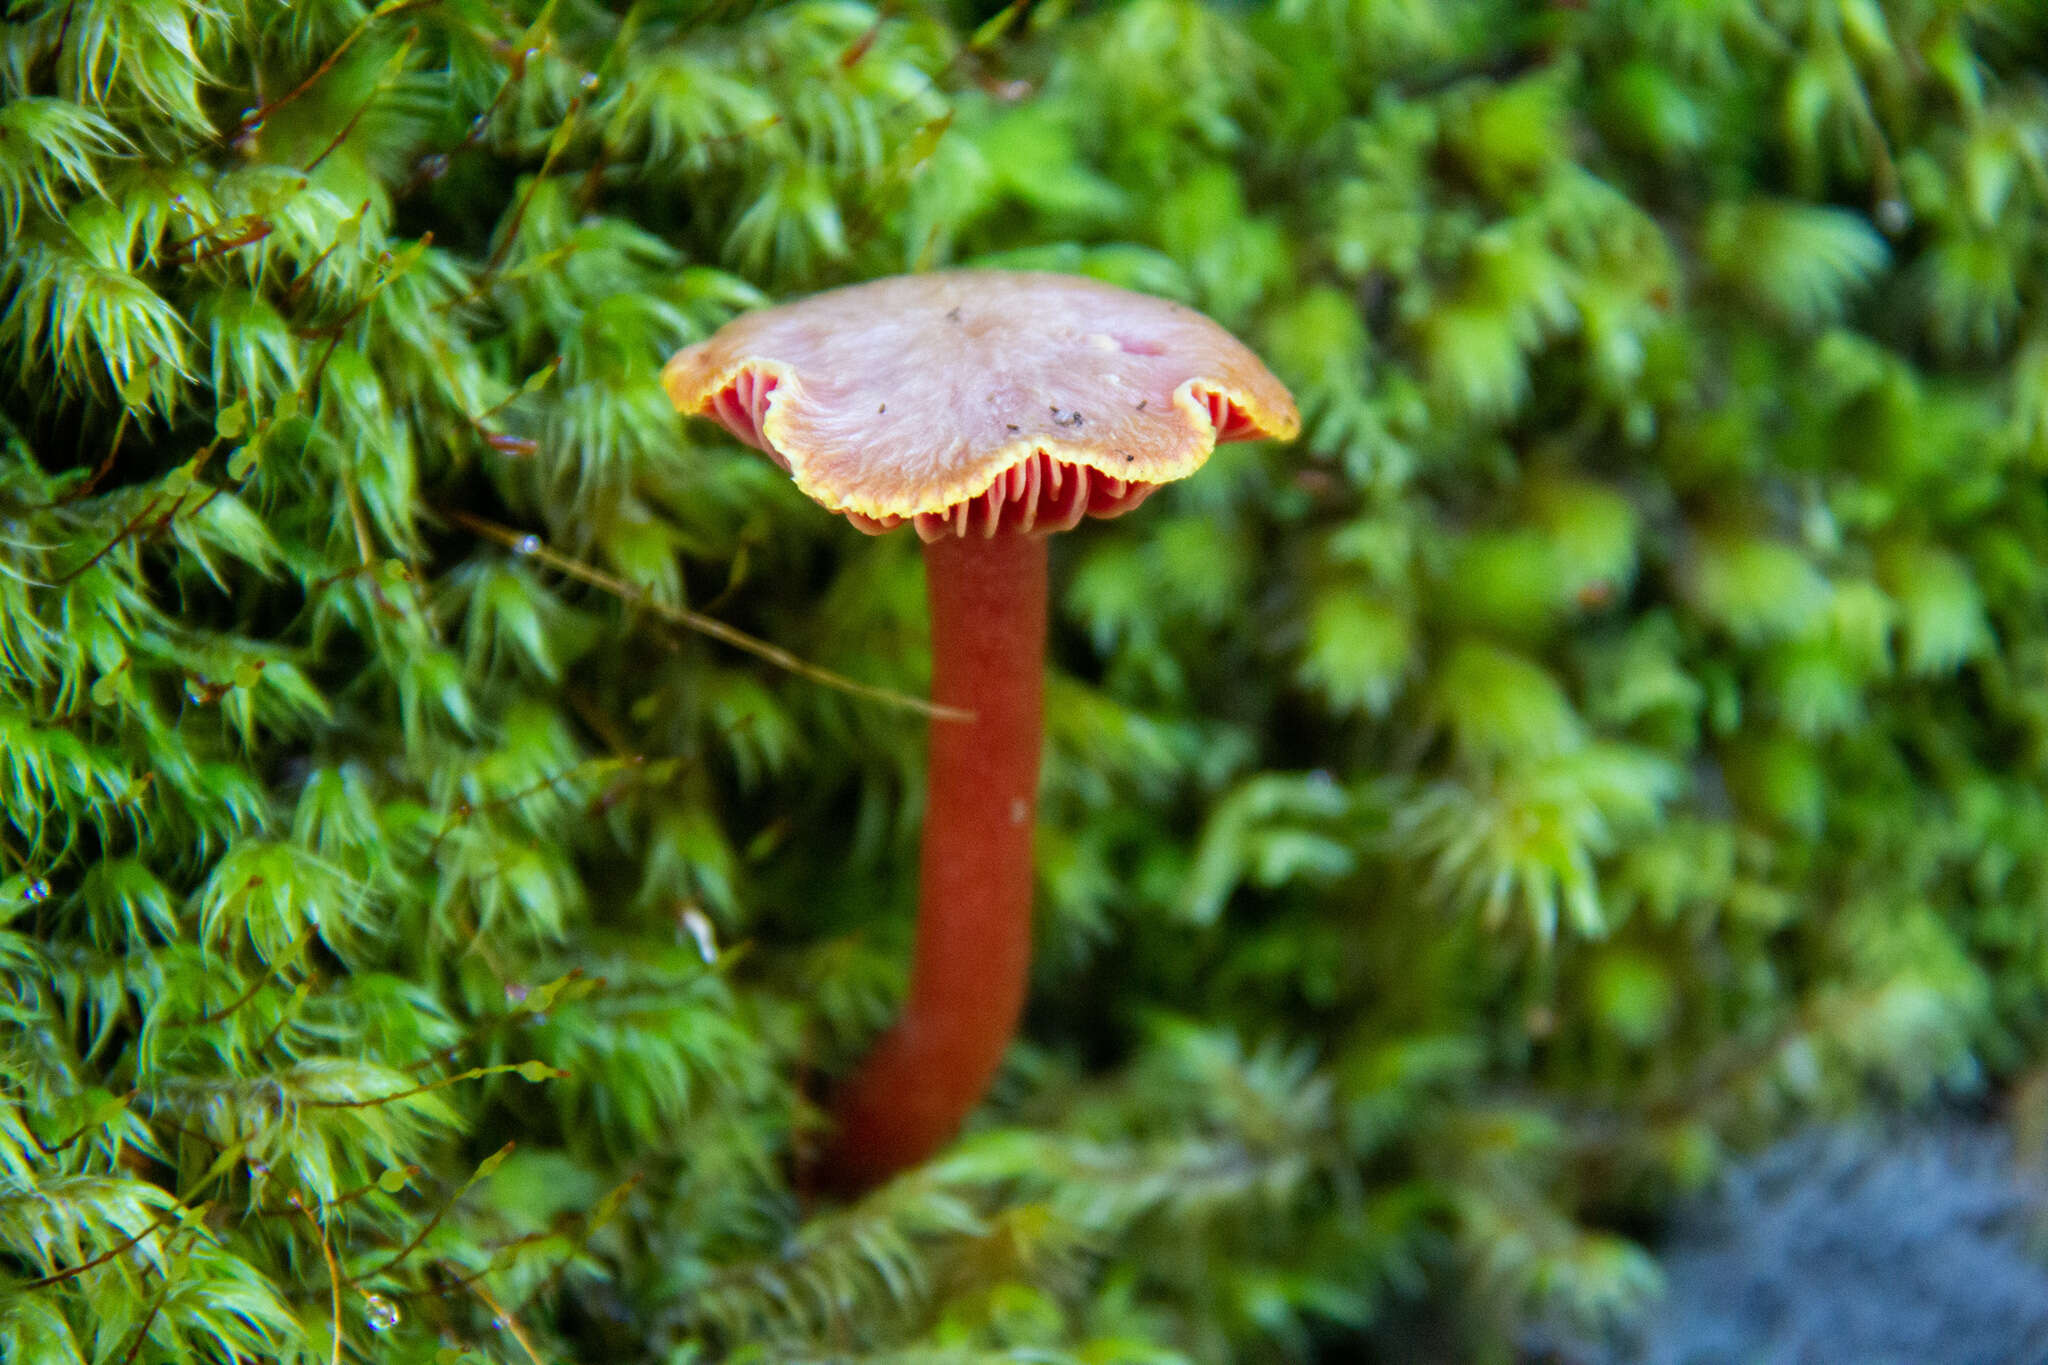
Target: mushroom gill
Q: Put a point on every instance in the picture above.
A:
(1038, 493)
(1041, 492)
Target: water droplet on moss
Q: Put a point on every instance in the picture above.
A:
(380, 1312)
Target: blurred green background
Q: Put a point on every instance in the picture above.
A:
(1613, 734)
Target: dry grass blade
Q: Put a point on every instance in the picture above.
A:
(333, 1278)
(505, 1319)
(531, 547)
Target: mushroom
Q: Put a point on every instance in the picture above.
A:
(985, 408)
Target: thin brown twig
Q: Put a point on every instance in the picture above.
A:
(432, 1223)
(284, 1016)
(549, 369)
(254, 232)
(463, 810)
(157, 1120)
(434, 166)
(345, 1197)
(558, 143)
(213, 491)
(256, 116)
(447, 1055)
(291, 291)
(126, 531)
(530, 547)
(47, 61)
(607, 1206)
(163, 1296)
(600, 724)
(106, 465)
(397, 63)
(58, 1277)
(995, 26)
(134, 523)
(507, 1253)
(473, 1074)
(232, 1006)
(46, 1149)
(334, 333)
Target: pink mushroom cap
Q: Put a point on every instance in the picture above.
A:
(973, 401)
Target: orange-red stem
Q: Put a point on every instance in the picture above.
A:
(973, 954)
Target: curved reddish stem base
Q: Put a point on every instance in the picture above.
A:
(973, 954)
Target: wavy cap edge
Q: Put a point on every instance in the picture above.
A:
(692, 387)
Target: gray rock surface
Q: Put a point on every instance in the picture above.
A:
(1849, 1247)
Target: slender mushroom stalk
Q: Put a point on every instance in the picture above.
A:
(973, 952)
(988, 409)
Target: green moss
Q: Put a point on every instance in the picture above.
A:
(410, 927)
